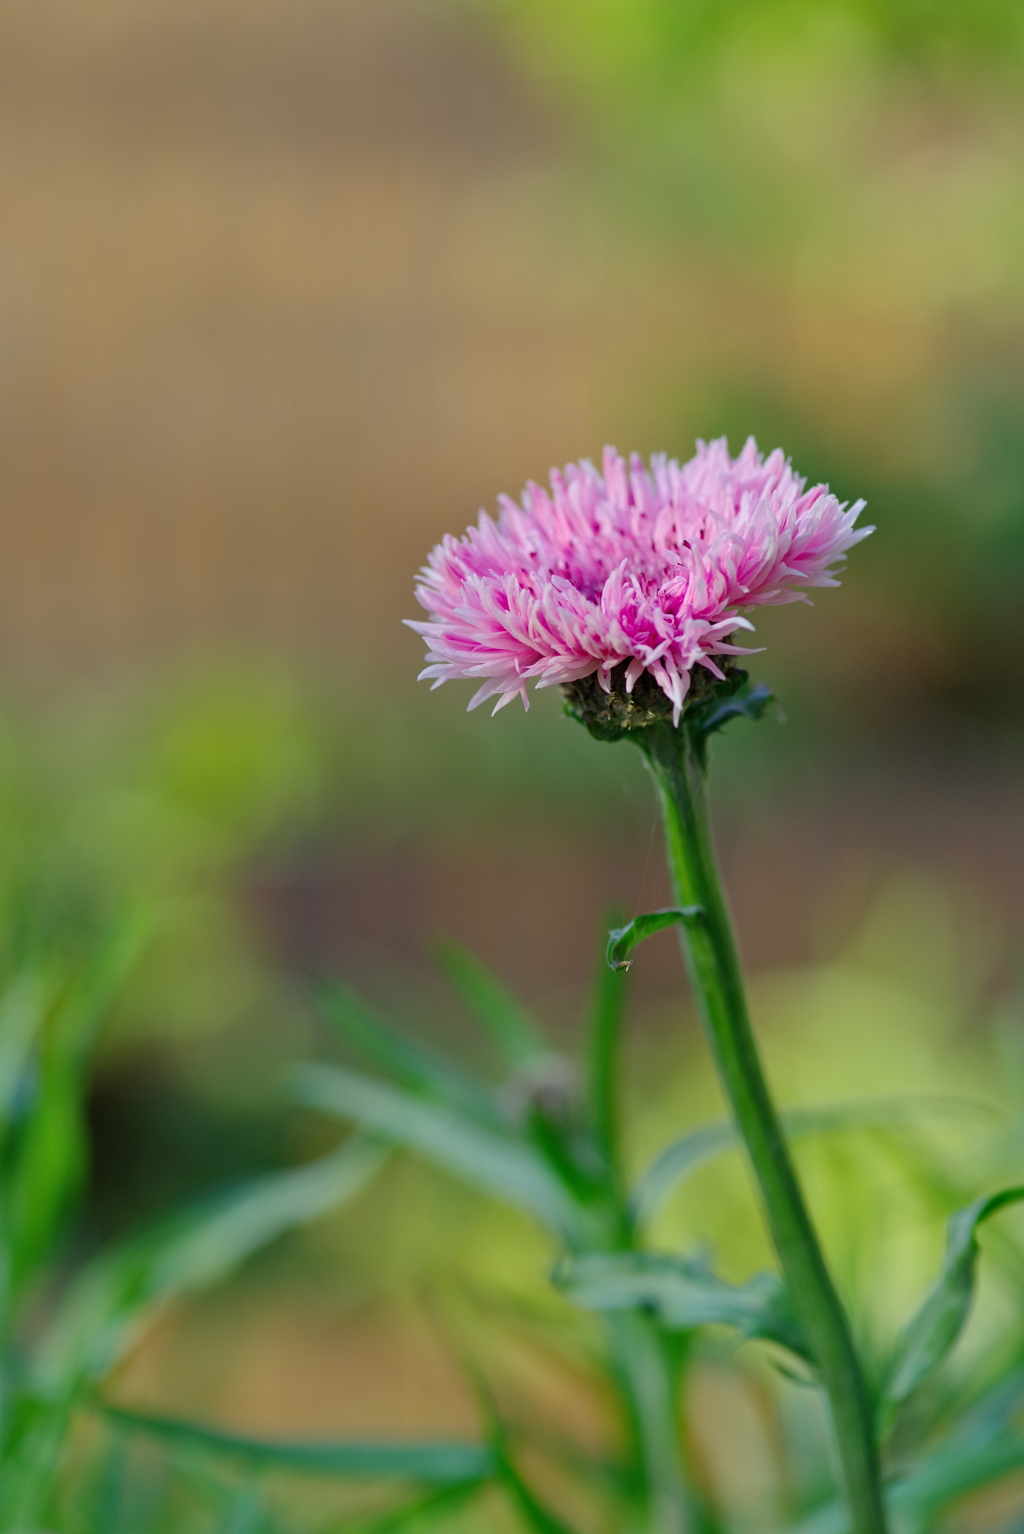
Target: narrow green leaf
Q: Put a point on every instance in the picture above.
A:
(675, 1163)
(622, 940)
(406, 1060)
(703, 1144)
(52, 1150)
(246, 1514)
(683, 1292)
(434, 1463)
(418, 1513)
(502, 1014)
(539, 1517)
(108, 1491)
(22, 1010)
(35, 1435)
(949, 1472)
(86, 1001)
(49, 1169)
(499, 1163)
(115, 1293)
(931, 1333)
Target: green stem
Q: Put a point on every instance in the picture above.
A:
(651, 1389)
(676, 758)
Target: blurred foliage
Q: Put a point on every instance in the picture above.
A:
(825, 134)
(931, 1117)
(122, 885)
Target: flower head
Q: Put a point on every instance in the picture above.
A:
(650, 568)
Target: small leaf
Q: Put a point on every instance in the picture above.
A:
(931, 1333)
(701, 1145)
(746, 703)
(683, 1292)
(442, 1464)
(406, 1060)
(116, 1292)
(497, 1162)
(622, 940)
(502, 1014)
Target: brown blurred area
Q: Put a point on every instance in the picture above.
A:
(264, 329)
(288, 291)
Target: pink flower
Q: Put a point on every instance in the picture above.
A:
(650, 567)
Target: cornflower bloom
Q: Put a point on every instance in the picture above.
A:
(651, 570)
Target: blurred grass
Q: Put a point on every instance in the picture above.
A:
(187, 797)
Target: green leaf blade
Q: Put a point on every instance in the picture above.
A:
(405, 1060)
(498, 1163)
(692, 1150)
(116, 1293)
(745, 702)
(622, 940)
(932, 1332)
(683, 1292)
(503, 1016)
(439, 1464)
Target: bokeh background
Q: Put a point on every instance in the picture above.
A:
(287, 292)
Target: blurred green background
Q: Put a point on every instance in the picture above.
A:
(287, 292)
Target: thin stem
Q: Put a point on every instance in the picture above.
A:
(709, 947)
(645, 1370)
(651, 1390)
(603, 1073)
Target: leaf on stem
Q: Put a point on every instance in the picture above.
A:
(496, 1161)
(683, 1292)
(622, 940)
(931, 1333)
(745, 703)
(439, 1464)
(700, 1145)
(502, 1014)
